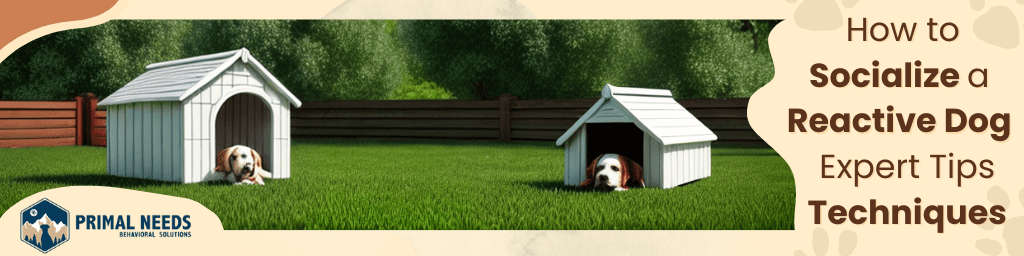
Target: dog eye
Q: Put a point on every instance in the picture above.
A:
(600, 167)
(615, 168)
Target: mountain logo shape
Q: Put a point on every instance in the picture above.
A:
(44, 225)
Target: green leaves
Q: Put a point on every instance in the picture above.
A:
(574, 58)
(365, 59)
(316, 60)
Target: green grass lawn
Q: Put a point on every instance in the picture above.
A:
(345, 184)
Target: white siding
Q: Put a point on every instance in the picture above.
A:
(576, 159)
(122, 142)
(581, 154)
(112, 162)
(572, 153)
(277, 141)
(157, 139)
(686, 163)
(567, 163)
(188, 155)
(166, 144)
(137, 127)
(178, 151)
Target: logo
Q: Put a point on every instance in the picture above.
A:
(44, 225)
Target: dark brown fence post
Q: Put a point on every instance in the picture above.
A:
(79, 120)
(90, 118)
(505, 115)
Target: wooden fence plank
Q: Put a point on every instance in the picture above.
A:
(401, 104)
(719, 113)
(474, 134)
(37, 114)
(549, 113)
(551, 104)
(714, 103)
(37, 133)
(536, 134)
(725, 123)
(21, 143)
(99, 122)
(101, 114)
(300, 113)
(99, 141)
(397, 123)
(542, 124)
(36, 123)
(99, 132)
(37, 105)
(504, 109)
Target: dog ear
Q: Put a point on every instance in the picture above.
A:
(223, 160)
(256, 158)
(590, 173)
(626, 172)
(636, 172)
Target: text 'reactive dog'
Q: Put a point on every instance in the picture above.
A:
(239, 165)
(613, 172)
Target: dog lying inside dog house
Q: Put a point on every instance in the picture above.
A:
(646, 125)
(169, 122)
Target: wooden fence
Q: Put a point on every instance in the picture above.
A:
(58, 123)
(52, 123)
(504, 119)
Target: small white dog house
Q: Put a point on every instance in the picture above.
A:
(646, 125)
(168, 123)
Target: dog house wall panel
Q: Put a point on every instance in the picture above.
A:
(166, 124)
(575, 160)
(676, 145)
(146, 144)
(686, 163)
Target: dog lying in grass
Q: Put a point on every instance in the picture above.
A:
(613, 172)
(239, 165)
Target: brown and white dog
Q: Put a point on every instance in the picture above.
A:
(240, 165)
(614, 172)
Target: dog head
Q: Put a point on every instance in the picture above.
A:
(613, 172)
(239, 160)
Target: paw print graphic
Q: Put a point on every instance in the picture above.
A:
(819, 243)
(820, 14)
(1013, 228)
(998, 26)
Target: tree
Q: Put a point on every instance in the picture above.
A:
(97, 59)
(697, 58)
(527, 58)
(574, 59)
(316, 60)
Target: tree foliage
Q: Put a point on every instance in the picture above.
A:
(527, 58)
(97, 59)
(316, 60)
(574, 59)
(697, 58)
(465, 59)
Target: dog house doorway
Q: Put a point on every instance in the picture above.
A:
(620, 138)
(245, 119)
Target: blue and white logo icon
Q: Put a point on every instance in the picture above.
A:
(44, 225)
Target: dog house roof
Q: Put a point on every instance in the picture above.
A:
(652, 110)
(176, 80)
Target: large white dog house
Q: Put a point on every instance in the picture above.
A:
(645, 125)
(168, 123)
